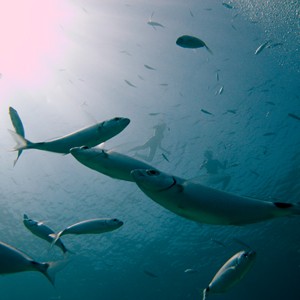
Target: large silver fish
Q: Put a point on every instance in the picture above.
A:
(41, 230)
(231, 272)
(92, 226)
(13, 260)
(89, 136)
(108, 162)
(207, 205)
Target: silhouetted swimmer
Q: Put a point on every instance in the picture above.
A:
(212, 167)
(153, 143)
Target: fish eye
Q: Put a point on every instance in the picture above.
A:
(152, 172)
(84, 147)
(117, 119)
(115, 220)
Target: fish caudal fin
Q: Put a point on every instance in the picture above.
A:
(287, 208)
(55, 237)
(49, 269)
(22, 142)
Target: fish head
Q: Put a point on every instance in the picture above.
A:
(29, 222)
(112, 127)
(246, 257)
(114, 223)
(152, 180)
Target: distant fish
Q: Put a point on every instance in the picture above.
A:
(261, 47)
(18, 125)
(191, 13)
(191, 42)
(150, 274)
(42, 231)
(154, 24)
(232, 111)
(190, 271)
(93, 226)
(231, 272)
(149, 68)
(129, 83)
(221, 90)
(270, 102)
(207, 112)
(125, 52)
(165, 157)
(269, 133)
(274, 45)
(153, 114)
(227, 5)
(294, 116)
(218, 242)
(163, 84)
(13, 260)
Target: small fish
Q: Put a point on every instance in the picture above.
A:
(155, 24)
(227, 5)
(207, 112)
(294, 116)
(150, 274)
(191, 42)
(13, 260)
(165, 157)
(221, 90)
(231, 272)
(190, 271)
(191, 13)
(232, 111)
(129, 83)
(153, 114)
(274, 45)
(269, 133)
(42, 231)
(93, 226)
(270, 102)
(149, 68)
(163, 84)
(125, 52)
(261, 47)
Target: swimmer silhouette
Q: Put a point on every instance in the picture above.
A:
(153, 143)
(212, 167)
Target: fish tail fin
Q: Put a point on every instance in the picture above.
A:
(288, 208)
(49, 269)
(209, 50)
(19, 154)
(22, 142)
(55, 237)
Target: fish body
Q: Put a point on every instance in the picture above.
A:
(89, 136)
(155, 24)
(231, 272)
(42, 231)
(108, 162)
(261, 47)
(13, 260)
(203, 204)
(191, 42)
(92, 226)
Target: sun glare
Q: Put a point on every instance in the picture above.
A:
(31, 38)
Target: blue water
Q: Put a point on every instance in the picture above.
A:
(146, 258)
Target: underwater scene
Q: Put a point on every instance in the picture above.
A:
(149, 149)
